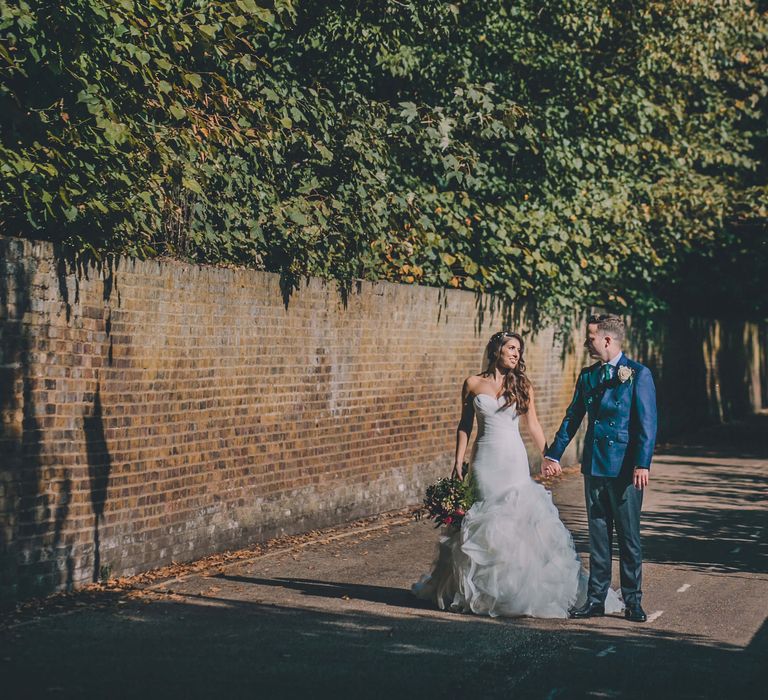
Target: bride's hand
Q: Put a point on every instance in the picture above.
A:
(551, 468)
(548, 467)
(455, 473)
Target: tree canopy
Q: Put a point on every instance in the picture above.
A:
(556, 152)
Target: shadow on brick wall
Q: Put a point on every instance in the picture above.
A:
(37, 553)
(25, 505)
(40, 552)
(520, 318)
(99, 468)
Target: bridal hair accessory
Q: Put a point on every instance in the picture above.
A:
(501, 334)
(625, 374)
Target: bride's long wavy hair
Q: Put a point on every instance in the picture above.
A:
(516, 387)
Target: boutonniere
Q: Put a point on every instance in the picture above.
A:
(625, 374)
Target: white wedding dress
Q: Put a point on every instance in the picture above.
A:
(512, 556)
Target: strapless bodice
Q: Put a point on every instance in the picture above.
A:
(492, 416)
(499, 459)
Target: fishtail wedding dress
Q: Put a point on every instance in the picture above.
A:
(512, 556)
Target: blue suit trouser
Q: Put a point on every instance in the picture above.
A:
(614, 503)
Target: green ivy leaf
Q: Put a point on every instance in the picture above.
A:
(162, 63)
(191, 184)
(194, 79)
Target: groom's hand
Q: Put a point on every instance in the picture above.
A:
(640, 477)
(549, 467)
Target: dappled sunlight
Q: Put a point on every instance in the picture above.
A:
(336, 618)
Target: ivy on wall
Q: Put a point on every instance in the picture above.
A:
(561, 152)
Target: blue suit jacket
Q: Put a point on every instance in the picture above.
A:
(622, 420)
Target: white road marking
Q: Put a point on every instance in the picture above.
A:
(736, 550)
(655, 616)
(605, 652)
(684, 588)
(553, 693)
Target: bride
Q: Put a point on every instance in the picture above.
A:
(512, 556)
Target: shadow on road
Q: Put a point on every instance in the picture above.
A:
(716, 521)
(746, 439)
(220, 647)
(399, 597)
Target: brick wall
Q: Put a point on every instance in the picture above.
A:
(160, 411)
(157, 411)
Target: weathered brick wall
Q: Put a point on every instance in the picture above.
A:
(161, 411)
(157, 411)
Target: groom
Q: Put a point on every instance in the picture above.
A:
(619, 399)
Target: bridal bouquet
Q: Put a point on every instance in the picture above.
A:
(448, 500)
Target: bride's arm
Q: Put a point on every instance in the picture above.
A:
(534, 427)
(465, 428)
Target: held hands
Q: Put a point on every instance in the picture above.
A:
(549, 467)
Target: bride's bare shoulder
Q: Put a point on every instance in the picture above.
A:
(472, 383)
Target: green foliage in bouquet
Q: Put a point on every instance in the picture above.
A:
(562, 152)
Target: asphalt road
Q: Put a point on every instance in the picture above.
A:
(334, 617)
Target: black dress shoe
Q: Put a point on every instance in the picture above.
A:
(588, 610)
(634, 613)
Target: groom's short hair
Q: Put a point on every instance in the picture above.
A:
(610, 324)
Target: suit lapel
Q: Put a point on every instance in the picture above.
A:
(594, 377)
(593, 384)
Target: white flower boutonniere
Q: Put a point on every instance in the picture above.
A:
(625, 374)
